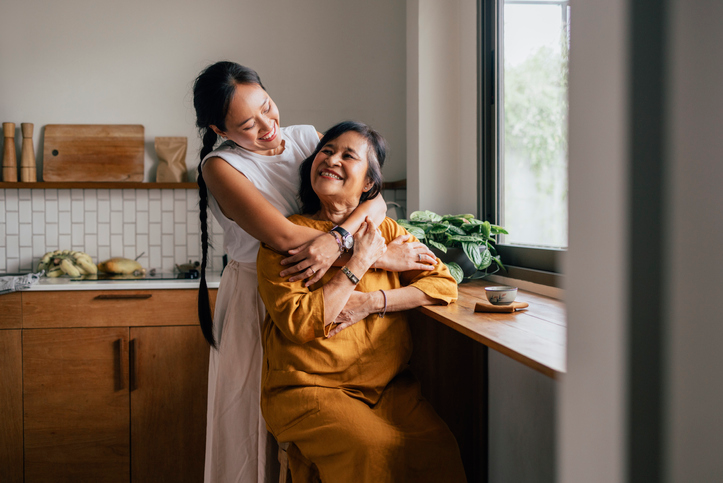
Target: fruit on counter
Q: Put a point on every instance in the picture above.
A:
(124, 266)
(62, 262)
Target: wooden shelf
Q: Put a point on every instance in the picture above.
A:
(99, 185)
(395, 185)
(536, 337)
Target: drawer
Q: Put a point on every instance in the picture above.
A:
(11, 311)
(111, 308)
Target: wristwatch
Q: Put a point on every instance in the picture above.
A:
(347, 241)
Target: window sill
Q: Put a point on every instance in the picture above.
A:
(535, 337)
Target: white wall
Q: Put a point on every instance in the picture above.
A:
(442, 105)
(134, 62)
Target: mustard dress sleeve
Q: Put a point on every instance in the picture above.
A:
(296, 310)
(438, 283)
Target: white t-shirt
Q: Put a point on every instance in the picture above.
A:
(276, 177)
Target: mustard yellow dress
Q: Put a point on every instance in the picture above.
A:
(349, 403)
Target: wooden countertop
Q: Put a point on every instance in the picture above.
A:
(535, 337)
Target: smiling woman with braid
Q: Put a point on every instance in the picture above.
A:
(250, 183)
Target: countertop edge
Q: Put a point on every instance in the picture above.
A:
(65, 285)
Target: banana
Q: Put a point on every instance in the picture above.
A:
(69, 268)
(86, 265)
(54, 272)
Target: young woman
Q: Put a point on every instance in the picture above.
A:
(250, 183)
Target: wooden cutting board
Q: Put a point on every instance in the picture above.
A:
(93, 152)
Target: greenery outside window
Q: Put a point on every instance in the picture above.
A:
(523, 46)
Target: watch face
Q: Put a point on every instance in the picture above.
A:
(348, 242)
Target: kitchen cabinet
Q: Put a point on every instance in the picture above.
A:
(113, 387)
(76, 405)
(11, 409)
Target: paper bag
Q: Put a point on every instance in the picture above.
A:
(171, 153)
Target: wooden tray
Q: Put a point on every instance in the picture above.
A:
(93, 152)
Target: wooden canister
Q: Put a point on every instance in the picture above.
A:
(28, 173)
(10, 162)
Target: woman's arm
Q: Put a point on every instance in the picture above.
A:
(420, 287)
(303, 314)
(243, 203)
(240, 201)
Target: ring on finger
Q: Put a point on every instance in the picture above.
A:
(312, 271)
(420, 257)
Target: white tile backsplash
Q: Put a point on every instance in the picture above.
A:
(129, 211)
(51, 237)
(25, 211)
(162, 224)
(63, 200)
(38, 223)
(103, 234)
(77, 210)
(154, 211)
(103, 210)
(26, 235)
(11, 200)
(116, 222)
(38, 198)
(11, 222)
(51, 211)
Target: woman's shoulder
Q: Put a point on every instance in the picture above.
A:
(390, 229)
(302, 134)
(299, 130)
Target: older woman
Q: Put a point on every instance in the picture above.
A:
(335, 381)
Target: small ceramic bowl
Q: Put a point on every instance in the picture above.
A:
(501, 294)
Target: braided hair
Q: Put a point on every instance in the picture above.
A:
(213, 91)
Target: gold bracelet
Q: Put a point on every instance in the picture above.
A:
(350, 275)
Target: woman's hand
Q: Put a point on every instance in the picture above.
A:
(401, 256)
(369, 246)
(357, 308)
(311, 260)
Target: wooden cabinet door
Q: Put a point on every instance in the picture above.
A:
(11, 407)
(169, 379)
(76, 403)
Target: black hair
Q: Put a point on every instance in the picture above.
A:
(213, 91)
(376, 154)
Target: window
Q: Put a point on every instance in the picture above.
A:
(524, 47)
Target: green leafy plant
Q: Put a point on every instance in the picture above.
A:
(465, 233)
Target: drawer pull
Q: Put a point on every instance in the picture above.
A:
(118, 353)
(133, 367)
(132, 296)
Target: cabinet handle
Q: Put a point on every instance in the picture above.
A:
(131, 296)
(118, 353)
(133, 366)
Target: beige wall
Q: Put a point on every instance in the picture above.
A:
(442, 105)
(84, 61)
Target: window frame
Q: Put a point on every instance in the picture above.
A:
(534, 264)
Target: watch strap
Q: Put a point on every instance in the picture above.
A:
(350, 275)
(347, 241)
